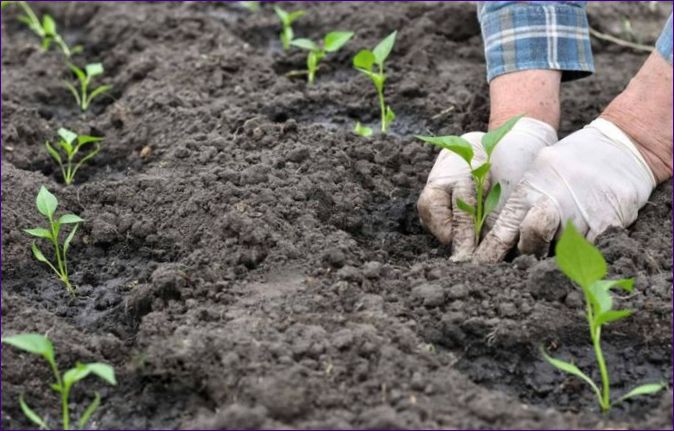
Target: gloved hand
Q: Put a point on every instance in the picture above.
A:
(595, 177)
(450, 179)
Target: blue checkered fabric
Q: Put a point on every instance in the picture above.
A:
(536, 35)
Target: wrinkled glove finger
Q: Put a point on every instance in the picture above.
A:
(435, 211)
(505, 232)
(538, 228)
(464, 230)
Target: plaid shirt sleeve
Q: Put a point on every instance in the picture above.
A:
(664, 43)
(536, 35)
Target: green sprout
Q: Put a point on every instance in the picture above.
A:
(46, 204)
(332, 42)
(364, 62)
(584, 264)
(71, 143)
(40, 345)
(480, 174)
(287, 19)
(252, 6)
(83, 96)
(45, 29)
(361, 130)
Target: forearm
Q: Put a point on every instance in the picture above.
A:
(644, 109)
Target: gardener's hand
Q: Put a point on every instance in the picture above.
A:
(450, 179)
(595, 177)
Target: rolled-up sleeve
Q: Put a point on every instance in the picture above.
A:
(664, 43)
(536, 35)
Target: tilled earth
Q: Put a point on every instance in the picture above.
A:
(248, 262)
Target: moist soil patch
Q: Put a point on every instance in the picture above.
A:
(247, 261)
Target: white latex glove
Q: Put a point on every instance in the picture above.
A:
(450, 179)
(595, 177)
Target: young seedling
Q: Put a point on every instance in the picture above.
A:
(83, 96)
(46, 204)
(40, 345)
(71, 143)
(332, 42)
(361, 130)
(45, 29)
(584, 264)
(480, 174)
(365, 61)
(287, 19)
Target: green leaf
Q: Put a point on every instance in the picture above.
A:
(67, 135)
(489, 140)
(646, 389)
(74, 92)
(455, 144)
(74, 375)
(38, 254)
(361, 130)
(283, 15)
(33, 343)
(252, 6)
(307, 44)
(626, 284)
(491, 201)
(82, 140)
(611, 316)
(39, 232)
(94, 69)
(389, 116)
(70, 218)
(81, 76)
(292, 16)
(599, 297)
(104, 371)
(333, 41)
(48, 25)
(46, 202)
(364, 60)
(569, 368)
(30, 414)
(383, 49)
(482, 170)
(84, 419)
(578, 258)
(465, 207)
(52, 152)
(98, 91)
(69, 238)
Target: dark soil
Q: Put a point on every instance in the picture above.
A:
(248, 262)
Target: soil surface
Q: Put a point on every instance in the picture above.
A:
(248, 262)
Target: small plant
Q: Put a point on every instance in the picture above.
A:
(71, 144)
(287, 19)
(40, 345)
(361, 130)
(83, 96)
(579, 260)
(46, 204)
(365, 61)
(480, 174)
(45, 29)
(332, 42)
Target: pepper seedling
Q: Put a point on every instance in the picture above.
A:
(332, 42)
(71, 143)
(287, 19)
(83, 96)
(45, 29)
(361, 130)
(40, 345)
(365, 61)
(46, 204)
(584, 264)
(480, 174)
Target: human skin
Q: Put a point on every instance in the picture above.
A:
(644, 112)
(534, 93)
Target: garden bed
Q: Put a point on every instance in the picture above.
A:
(247, 261)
